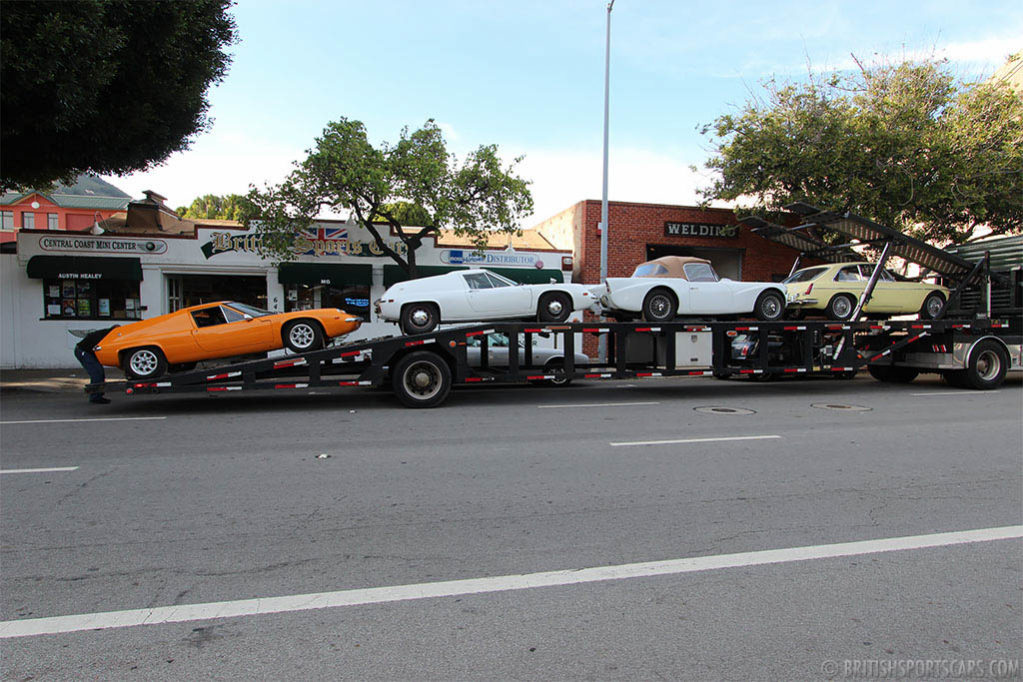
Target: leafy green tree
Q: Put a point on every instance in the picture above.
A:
(414, 180)
(108, 86)
(210, 206)
(904, 144)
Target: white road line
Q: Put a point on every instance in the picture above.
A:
(86, 419)
(550, 407)
(690, 440)
(453, 588)
(964, 394)
(36, 471)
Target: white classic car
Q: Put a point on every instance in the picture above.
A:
(419, 305)
(670, 286)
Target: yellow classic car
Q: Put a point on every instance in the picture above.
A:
(835, 289)
(178, 340)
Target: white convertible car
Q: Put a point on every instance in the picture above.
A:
(419, 305)
(670, 286)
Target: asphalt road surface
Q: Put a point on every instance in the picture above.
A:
(816, 529)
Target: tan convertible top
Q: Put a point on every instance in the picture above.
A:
(673, 264)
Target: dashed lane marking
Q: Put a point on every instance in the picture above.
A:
(37, 471)
(84, 419)
(680, 441)
(452, 588)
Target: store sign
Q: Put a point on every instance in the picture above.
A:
(101, 245)
(700, 230)
(315, 241)
(498, 259)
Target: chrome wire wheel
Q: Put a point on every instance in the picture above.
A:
(842, 307)
(302, 335)
(144, 362)
(932, 306)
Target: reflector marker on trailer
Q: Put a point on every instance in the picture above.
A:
(281, 364)
(226, 375)
(534, 331)
(961, 326)
(419, 343)
(600, 330)
(800, 328)
(837, 326)
(880, 355)
(471, 380)
(538, 377)
(921, 326)
(842, 369)
(291, 386)
(697, 329)
(224, 388)
(747, 329)
(605, 375)
(355, 383)
(701, 373)
(751, 371)
(649, 374)
(648, 329)
(794, 370)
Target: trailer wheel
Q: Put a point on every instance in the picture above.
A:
(421, 379)
(148, 362)
(302, 336)
(554, 307)
(419, 318)
(932, 306)
(659, 306)
(840, 307)
(770, 306)
(985, 368)
(893, 375)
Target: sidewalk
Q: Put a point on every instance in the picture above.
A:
(43, 380)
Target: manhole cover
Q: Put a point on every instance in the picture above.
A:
(724, 410)
(841, 407)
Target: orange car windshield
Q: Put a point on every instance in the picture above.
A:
(248, 309)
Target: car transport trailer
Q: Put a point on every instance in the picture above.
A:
(422, 369)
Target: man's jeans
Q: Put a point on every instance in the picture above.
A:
(92, 366)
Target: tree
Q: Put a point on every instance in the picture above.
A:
(210, 206)
(107, 86)
(903, 144)
(415, 179)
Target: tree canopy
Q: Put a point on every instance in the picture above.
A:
(386, 187)
(107, 86)
(211, 206)
(904, 144)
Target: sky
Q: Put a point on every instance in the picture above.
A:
(528, 76)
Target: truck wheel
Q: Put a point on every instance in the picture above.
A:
(556, 366)
(985, 368)
(145, 363)
(770, 306)
(893, 375)
(554, 307)
(302, 336)
(840, 307)
(932, 306)
(659, 306)
(421, 379)
(419, 318)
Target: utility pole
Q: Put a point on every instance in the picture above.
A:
(602, 345)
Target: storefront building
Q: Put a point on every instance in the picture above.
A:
(56, 283)
(640, 232)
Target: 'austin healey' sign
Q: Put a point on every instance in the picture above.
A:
(700, 230)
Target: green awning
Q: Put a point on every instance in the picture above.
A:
(332, 274)
(84, 267)
(393, 273)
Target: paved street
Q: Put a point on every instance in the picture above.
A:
(224, 503)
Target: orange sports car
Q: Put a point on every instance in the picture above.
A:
(178, 340)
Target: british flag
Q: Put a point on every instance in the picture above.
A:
(338, 235)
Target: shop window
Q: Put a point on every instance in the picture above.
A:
(91, 299)
(7, 221)
(28, 221)
(52, 221)
(354, 300)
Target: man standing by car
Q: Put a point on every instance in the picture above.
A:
(87, 357)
